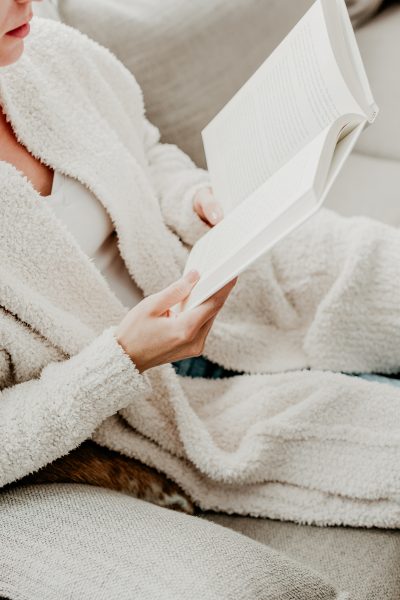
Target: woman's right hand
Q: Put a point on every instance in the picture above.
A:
(152, 335)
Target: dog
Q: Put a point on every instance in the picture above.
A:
(92, 464)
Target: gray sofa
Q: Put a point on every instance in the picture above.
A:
(189, 58)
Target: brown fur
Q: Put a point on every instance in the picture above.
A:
(92, 464)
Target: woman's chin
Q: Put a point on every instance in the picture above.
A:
(11, 52)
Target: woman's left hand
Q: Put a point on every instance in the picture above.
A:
(206, 206)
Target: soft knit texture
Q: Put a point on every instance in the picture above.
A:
(309, 445)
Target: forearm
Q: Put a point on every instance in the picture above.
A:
(176, 179)
(45, 418)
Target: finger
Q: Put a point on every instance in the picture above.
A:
(212, 211)
(207, 207)
(205, 329)
(200, 338)
(198, 204)
(174, 293)
(196, 317)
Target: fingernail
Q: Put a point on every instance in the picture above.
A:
(216, 214)
(192, 276)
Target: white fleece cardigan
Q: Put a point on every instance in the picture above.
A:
(311, 446)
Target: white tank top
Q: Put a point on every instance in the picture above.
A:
(90, 224)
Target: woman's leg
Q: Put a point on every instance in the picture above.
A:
(326, 297)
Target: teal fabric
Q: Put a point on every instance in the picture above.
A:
(200, 366)
(381, 379)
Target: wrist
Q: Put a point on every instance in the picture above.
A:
(134, 356)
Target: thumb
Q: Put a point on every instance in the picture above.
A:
(207, 206)
(212, 211)
(174, 293)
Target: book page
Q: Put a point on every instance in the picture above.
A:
(266, 204)
(348, 55)
(291, 98)
(341, 153)
(293, 217)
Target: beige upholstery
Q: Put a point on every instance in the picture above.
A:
(47, 9)
(362, 10)
(380, 45)
(72, 541)
(368, 186)
(364, 562)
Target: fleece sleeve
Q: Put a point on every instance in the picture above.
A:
(176, 180)
(44, 418)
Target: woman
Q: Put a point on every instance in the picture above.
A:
(72, 354)
(176, 338)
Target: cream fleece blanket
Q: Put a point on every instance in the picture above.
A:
(290, 439)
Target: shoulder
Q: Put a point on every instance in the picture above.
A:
(56, 43)
(64, 77)
(65, 53)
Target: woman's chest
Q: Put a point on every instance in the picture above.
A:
(81, 212)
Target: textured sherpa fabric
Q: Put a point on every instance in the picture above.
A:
(307, 445)
(93, 544)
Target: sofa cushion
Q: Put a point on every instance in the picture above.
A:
(86, 543)
(362, 10)
(47, 9)
(379, 43)
(368, 186)
(363, 561)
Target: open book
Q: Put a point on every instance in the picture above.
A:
(275, 149)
